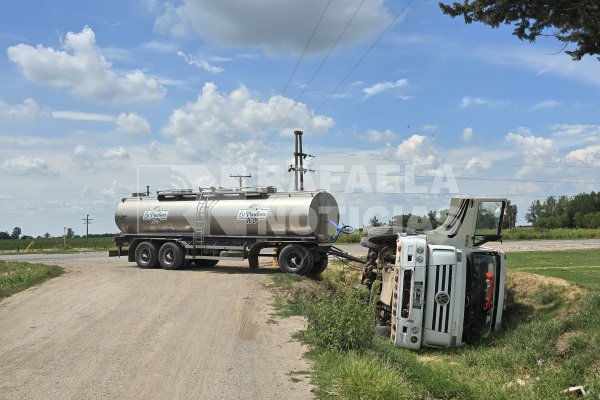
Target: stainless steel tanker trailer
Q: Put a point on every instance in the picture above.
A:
(182, 227)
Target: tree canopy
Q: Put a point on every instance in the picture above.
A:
(570, 21)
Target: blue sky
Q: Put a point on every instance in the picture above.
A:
(100, 99)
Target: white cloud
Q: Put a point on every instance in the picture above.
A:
(588, 155)
(83, 116)
(29, 110)
(477, 164)
(132, 124)
(99, 158)
(81, 69)
(161, 47)
(417, 149)
(547, 105)
(215, 118)
(383, 86)
(538, 59)
(576, 130)
(202, 64)
(117, 153)
(374, 135)
(469, 101)
(533, 148)
(273, 24)
(26, 166)
(467, 134)
(429, 128)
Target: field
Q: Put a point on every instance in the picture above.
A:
(56, 244)
(551, 339)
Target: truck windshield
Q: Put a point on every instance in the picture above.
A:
(488, 226)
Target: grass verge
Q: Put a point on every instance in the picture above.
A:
(551, 339)
(18, 276)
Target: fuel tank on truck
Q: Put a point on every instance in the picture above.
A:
(231, 212)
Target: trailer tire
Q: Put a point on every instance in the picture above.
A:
(170, 256)
(320, 263)
(295, 259)
(146, 255)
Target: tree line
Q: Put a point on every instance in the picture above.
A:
(433, 219)
(579, 211)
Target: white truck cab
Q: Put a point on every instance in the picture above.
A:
(444, 288)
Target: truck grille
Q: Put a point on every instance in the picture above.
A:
(442, 297)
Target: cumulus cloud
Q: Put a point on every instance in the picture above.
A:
(81, 69)
(202, 64)
(467, 134)
(535, 149)
(469, 101)
(272, 24)
(132, 124)
(29, 110)
(374, 135)
(26, 166)
(215, 118)
(477, 164)
(588, 155)
(98, 158)
(117, 153)
(576, 130)
(383, 86)
(417, 149)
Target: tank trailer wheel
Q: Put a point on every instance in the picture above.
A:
(170, 256)
(320, 263)
(295, 259)
(146, 255)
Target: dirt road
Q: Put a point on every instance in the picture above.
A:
(108, 330)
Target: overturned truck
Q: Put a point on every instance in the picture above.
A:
(443, 288)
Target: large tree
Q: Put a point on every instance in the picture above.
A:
(570, 21)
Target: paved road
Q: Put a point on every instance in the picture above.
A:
(109, 330)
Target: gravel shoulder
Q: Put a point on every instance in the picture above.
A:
(109, 330)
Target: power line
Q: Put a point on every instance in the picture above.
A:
(297, 64)
(360, 60)
(322, 63)
(456, 162)
(459, 177)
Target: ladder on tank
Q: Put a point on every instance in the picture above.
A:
(201, 216)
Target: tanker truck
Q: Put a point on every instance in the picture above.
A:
(442, 288)
(186, 227)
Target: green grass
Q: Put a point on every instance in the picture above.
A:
(56, 244)
(549, 234)
(551, 340)
(18, 276)
(581, 266)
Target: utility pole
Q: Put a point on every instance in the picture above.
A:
(240, 178)
(298, 166)
(87, 221)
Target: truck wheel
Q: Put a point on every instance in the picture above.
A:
(320, 265)
(295, 259)
(146, 255)
(170, 256)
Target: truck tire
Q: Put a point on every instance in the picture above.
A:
(295, 259)
(146, 255)
(388, 234)
(365, 242)
(320, 263)
(170, 256)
